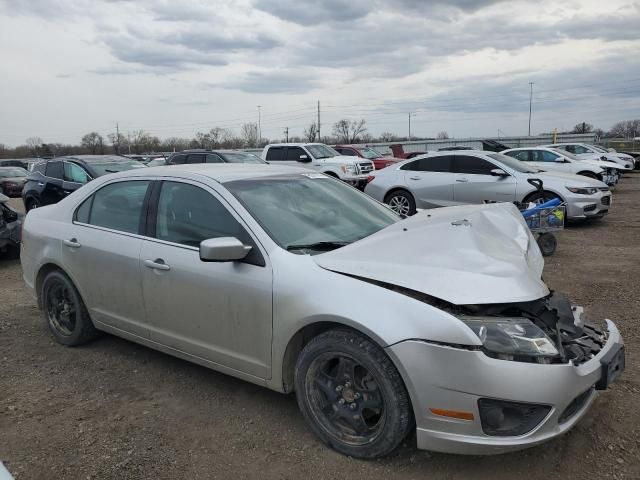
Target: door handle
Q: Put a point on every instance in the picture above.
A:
(40, 184)
(72, 243)
(462, 180)
(414, 178)
(157, 264)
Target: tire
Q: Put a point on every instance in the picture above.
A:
(31, 203)
(547, 243)
(65, 312)
(401, 202)
(351, 395)
(540, 197)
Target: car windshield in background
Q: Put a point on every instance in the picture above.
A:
(12, 172)
(241, 157)
(564, 153)
(369, 153)
(599, 149)
(322, 151)
(310, 211)
(102, 168)
(512, 163)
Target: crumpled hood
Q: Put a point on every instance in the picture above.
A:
(469, 254)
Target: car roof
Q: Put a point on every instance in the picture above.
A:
(295, 144)
(220, 172)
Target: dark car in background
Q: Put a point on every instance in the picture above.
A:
(10, 227)
(52, 180)
(379, 160)
(212, 156)
(12, 180)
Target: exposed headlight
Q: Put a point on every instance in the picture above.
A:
(507, 338)
(583, 190)
(348, 168)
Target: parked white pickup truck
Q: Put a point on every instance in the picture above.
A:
(321, 158)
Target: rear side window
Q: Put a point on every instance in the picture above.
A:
(213, 158)
(441, 163)
(275, 154)
(54, 170)
(40, 167)
(472, 165)
(294, 153)
(178, 159)
(117, 206)
(195, 158)
(75, 173)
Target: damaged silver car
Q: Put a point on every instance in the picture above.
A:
(10, 227)
(295, 281)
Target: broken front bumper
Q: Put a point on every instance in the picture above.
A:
(10, 233)
(445, 377)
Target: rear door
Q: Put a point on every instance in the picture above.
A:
(52, 191)
(196, 158)
(430, 180)
(474, 182)
(101, 252)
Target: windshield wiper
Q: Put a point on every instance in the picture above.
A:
(318, 246)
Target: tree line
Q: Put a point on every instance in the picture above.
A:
(343, 131)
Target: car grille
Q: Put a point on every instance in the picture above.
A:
(606, 200)
(575, 406)
(603, 189)
(365, 167)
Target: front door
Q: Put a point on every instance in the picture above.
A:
(430, 181)
(474, 182)
(221, 311)
(52, 191)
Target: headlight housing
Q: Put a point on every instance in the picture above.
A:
(348, 168)
(512, 338)
(583, 190)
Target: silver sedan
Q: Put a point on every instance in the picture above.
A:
(289, 279)
(443, 179)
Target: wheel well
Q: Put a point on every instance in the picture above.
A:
(42, 274)
(297, 343)
(526, 199)
(331, 174)
(394, 190)
(588, 174)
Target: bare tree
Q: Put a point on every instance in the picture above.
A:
(249, 133)
(387, 137)
(626, 129)
(311, 132)
(34, 145)
(174, 144)
(118, 142)
(348, 131)
(582, 127)
(442, 135)
(93, 142)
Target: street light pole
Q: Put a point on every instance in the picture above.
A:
(259, 126)
(530, 102)
(410, 115)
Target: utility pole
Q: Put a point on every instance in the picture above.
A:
(319, 137)
(286, 133)
(530, 102)
(259, 126)
(129, 142)
(410, 115)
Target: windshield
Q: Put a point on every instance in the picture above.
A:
(308, 209)
(369, 153)
(241, 157)
(6, 172)
(566, 154)
(599, 149)
(102, 168)
(321, 151)
(513, 164)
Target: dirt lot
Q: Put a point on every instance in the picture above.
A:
(113, 409)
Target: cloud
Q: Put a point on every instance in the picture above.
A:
(271, 82)
(316, 12)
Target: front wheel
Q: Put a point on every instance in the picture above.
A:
(31, 203)
(401, 202)
(351, 394)
(540, 197)
(547, 243)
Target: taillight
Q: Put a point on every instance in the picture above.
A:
(370, 178)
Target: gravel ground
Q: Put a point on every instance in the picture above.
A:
(113, 409)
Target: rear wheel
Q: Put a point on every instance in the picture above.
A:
(351, 394)
(65, 312)
(401, 202)
(31, 203)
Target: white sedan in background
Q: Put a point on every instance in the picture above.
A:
(591, 152)
(556, 160)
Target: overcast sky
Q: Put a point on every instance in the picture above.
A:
(175, 67)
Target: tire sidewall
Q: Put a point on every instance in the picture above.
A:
(78, 333)
(404, 194)
(360, 349)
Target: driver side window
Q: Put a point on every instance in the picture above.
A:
(75, 173)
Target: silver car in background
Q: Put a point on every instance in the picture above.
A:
(298, 282)
(442, 179)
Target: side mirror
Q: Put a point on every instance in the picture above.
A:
(223, 249)
(498, 172)
(304, 158)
